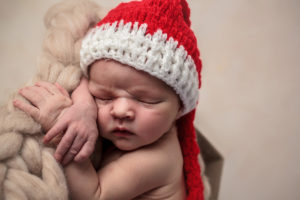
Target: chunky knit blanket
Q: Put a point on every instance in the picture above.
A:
(28, 169)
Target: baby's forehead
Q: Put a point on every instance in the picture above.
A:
(108, 72)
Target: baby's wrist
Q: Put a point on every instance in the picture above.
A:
(86, 104)
(81, 93)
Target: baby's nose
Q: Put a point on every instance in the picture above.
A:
(122, 109)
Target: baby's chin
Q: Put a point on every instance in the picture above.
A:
(128, 147)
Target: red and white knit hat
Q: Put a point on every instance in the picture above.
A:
(155, 36)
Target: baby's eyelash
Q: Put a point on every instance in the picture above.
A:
(103, 100)
(149, 102)
(137, 99)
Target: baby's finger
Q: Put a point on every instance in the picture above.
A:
(42, 92)
(31, 95)
(62, 90)
(85, 151)
(59, 127)
(64, 144)
(27, 108)
(74, 149)
(48, 86)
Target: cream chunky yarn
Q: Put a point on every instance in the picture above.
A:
(28, 170)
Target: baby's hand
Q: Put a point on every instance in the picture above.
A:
(47, 102)
(80, 134)
(78, 122)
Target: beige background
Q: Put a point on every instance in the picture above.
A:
(250, 100)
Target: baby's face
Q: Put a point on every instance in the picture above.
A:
(134, 108)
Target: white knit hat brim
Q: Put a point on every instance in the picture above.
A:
(129, 44)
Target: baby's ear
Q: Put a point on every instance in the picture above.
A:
(179, 113)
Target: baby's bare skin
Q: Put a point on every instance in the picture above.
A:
(173, 187)
(161, 160)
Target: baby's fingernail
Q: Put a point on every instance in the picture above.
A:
(45, 140)
(57, 158)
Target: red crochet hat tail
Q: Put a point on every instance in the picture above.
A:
(186, 12)
(190, 151)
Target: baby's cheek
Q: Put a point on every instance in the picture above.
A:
(103, 117)
(155, 122)
(102, 111)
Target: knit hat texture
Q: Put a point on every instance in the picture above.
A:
(155, 36)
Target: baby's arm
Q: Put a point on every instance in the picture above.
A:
(126, 178)
(80, 127)
(131, 175)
